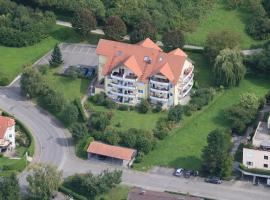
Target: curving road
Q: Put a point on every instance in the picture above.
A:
(54, 145)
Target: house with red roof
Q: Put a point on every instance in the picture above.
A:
(7, 133)
(131, 72)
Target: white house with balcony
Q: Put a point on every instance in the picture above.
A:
(131, 72)
(7, 133)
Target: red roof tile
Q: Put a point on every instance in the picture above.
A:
(135, 56)
(5, 123)
(111, 151)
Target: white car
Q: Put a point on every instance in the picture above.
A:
(178, 172)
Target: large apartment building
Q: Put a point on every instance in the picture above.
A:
(128, 73)
(259, 155)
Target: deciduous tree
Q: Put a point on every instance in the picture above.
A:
(173, 39)
(229, 69)
(115, 28)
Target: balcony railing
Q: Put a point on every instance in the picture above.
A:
(186, 76)
(159, 98)
(185, 91)
(123, 94)
(125, 85)
(159, 81)
(124, 77)
(159, 90)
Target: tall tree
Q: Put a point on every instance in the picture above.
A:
(173, 39)
(229, 69)
(9, 188)
(115, 28)
(216, 155)
(83, 22)
(31, 82)
(219, 40)
(143, 30)
(43, 181)
(56, 57)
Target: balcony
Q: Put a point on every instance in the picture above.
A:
(122, 100)
(188, 73)
(184, 92)
(129, 86)
(124, 77)
(187, 84)
(159, 90)
(123, 93)
(159, 97)
(117, 76)
(159, 81)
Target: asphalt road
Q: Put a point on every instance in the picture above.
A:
(54, 145)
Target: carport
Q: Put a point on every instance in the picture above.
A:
(113, 154)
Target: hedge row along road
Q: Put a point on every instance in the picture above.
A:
(54, 146)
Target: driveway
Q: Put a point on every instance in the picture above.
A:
(54, 145)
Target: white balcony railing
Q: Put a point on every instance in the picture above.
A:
(186, 76)
(185, 91)
(127, 86)
(159, 98)
(123, 94)
(158, 82)
(158, 90)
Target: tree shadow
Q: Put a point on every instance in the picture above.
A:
(189, 162)
(66, 142)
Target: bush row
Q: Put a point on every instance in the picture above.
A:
(71, 193)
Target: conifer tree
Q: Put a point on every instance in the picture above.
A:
(56, 58)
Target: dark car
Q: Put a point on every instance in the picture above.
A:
(194, 173)
(215, 180)
(187, 173)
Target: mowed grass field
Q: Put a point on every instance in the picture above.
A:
(130, 119)
(183, 147)
(12, 60)
(221, 18)
(71, 88)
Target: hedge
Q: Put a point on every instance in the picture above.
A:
(82, 145)
(69, 192)
(82, 116)
(31, 148)
(254, 170)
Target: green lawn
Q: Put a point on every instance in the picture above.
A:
(120, 192)
(13, 59)
(71, 88)
(202, 69)
(130, 119)
(218, 19)
(183, 147)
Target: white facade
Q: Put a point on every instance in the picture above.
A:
(9, 137)
(258, 159)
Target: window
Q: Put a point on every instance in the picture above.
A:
(265, 157)
(265, 165)
(249, 163)
(10, 135)
(140, 91)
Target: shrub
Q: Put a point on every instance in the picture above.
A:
(111, 136)
(175, 113)
(4, 81)
(143, 106)
(70, 114)
(43, 69)
(123, 107)
(110, 104)
(99, 121)
(82, 116)
(78, 130)
(98, 99)
(202, 97)
(139, 157)
(69, 192)
(157, 108)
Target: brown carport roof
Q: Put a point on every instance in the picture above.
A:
(111, 151)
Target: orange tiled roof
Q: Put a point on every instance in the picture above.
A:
(111, 151)
(134, 57)
(5, 123)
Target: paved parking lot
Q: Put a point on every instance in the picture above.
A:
(74, 54)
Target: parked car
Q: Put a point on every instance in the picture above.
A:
(215, 180)
(194, 173)
(187, 173)
(178, 172)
